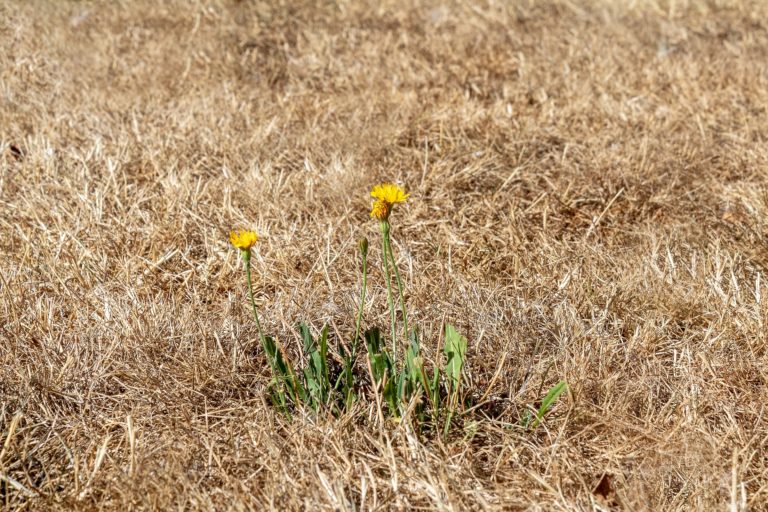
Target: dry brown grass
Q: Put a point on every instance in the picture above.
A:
(588, 203)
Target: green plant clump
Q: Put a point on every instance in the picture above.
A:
(405, 386)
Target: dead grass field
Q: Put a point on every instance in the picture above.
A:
(589, 204)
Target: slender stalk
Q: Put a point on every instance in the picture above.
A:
(384, 226)
(272, 361)
(388, 244)
(247, 260)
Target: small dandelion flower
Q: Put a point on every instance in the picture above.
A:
(386, 195)
(243, 240)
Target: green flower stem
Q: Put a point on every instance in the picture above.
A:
(273, 361)
(388, 244)
(247, 263)
(384, 227)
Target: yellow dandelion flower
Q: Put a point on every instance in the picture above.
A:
(380, 210)
(389, 193)
(386, 195)
(243, 240)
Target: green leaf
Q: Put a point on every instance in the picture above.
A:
(549, 401)
(411, 354)
(455, 352)
(306, 336)
(436, 387)
(373, 340)
(384, 371)
(315, 375)
(323, 343)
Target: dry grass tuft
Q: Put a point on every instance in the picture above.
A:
(589, 203)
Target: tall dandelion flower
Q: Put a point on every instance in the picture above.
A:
(245, 240)
(387, 195)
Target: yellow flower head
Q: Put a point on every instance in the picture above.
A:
(243, 240)
(389, 193)
(386, 195)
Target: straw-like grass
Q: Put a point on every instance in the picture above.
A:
(588, 204)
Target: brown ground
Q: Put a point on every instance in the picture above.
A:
(589, 199)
